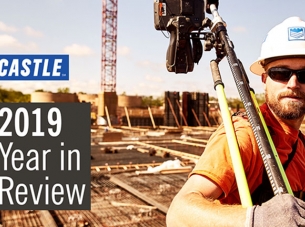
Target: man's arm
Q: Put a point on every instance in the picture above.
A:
(196, 205)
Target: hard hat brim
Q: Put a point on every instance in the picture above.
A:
(257, 67)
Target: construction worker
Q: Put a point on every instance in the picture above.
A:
(210, 196)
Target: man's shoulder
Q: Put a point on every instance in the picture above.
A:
(240, 123)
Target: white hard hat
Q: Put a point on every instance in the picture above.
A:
(287, 39)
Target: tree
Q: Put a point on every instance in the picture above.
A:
(63, 90)
(260, 98)
(237, 103)
(39, 90)
(152, 102)
(13, 96)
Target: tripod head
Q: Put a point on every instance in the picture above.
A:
(183, 20)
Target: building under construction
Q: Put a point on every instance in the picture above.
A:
(188, 109)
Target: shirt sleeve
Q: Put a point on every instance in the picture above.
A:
(215, 163)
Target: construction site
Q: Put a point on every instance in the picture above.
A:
(140, 156)
(135, 173)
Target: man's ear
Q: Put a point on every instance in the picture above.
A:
(264, 77)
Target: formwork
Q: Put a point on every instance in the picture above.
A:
(109, 100)
(172, 109)
(192, 110)
(195, 108)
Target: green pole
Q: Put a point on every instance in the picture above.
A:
(272, 146)
(238, 167)
(274, 151)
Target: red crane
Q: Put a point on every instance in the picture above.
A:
(109, 45)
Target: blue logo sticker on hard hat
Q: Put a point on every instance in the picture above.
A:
(296, 33)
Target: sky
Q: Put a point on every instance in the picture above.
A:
(74, 27)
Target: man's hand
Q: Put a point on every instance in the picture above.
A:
(281, 210)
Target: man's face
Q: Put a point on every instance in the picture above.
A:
(285, 99)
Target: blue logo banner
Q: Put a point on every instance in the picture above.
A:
(34, 67)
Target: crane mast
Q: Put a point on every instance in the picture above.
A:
(109, 45)
(108, 99)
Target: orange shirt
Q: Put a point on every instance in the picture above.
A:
(215, 162)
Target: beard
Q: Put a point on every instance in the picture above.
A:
(290, 110)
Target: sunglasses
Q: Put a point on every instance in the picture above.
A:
(284, 74)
